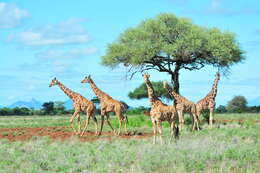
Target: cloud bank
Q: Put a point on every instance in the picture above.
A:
(11, 16)
(66, 32)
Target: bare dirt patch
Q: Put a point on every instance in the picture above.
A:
(64, 133)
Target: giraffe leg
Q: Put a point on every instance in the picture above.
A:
(86, 124)
(172, 129)
(196, 121)
(96, 123)
(120, 126)
(177, 133)
(125, 121)
(193, 121)
(102, 123)
(211, 117)
(79, 128)
(108, 122)
(181, 119)
(159, 124)
(72, 119)
(154, 131)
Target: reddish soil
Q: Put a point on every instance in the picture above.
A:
(63, 133)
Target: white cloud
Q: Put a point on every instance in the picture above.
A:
(10, 15)
(61, 62)
(72, 53)
(70, 31)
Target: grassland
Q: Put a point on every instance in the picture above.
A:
(228, 147)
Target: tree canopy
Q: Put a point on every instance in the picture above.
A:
(141, 91)
(168, 44)
(48, 107)
(237, 104)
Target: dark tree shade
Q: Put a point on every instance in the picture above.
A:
(95, 100)
(48, 107)
(168, 44)
(221, 109)
(141, 91)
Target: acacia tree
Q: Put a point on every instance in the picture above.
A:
(168, 44)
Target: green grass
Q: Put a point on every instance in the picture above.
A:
(135, 121)
(226, 148)
(237, 116)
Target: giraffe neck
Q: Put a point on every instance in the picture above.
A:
(172, 93)
(214, 89)
(212, 94)
(99, 93)
(151, 94)
(66, 90)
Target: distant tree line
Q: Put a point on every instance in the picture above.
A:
(48, 108)
(237, 104)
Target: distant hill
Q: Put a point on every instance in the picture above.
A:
(28, 104)
(254, 102)
(38, 105)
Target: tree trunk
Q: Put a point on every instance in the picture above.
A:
(175, 79)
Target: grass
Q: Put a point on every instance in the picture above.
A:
(135, 121)
(237, 116)
(226, 148)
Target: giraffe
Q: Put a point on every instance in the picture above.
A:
(80, 104)
(208, 102)
(108, 104)
(183, 105)
(160, 112)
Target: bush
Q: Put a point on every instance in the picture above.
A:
(237, 105)
(138, 110)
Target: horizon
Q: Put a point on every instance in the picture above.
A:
(67, 42)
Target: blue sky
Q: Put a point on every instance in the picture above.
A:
(43, 39)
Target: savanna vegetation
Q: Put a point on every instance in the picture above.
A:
(238, 104)
(228, 147)
(167, 44)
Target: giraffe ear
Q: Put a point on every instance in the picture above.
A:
(89, 76)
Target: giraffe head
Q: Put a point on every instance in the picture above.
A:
(87, 79)
(146, 77)
(53, 82)
(217, 75)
